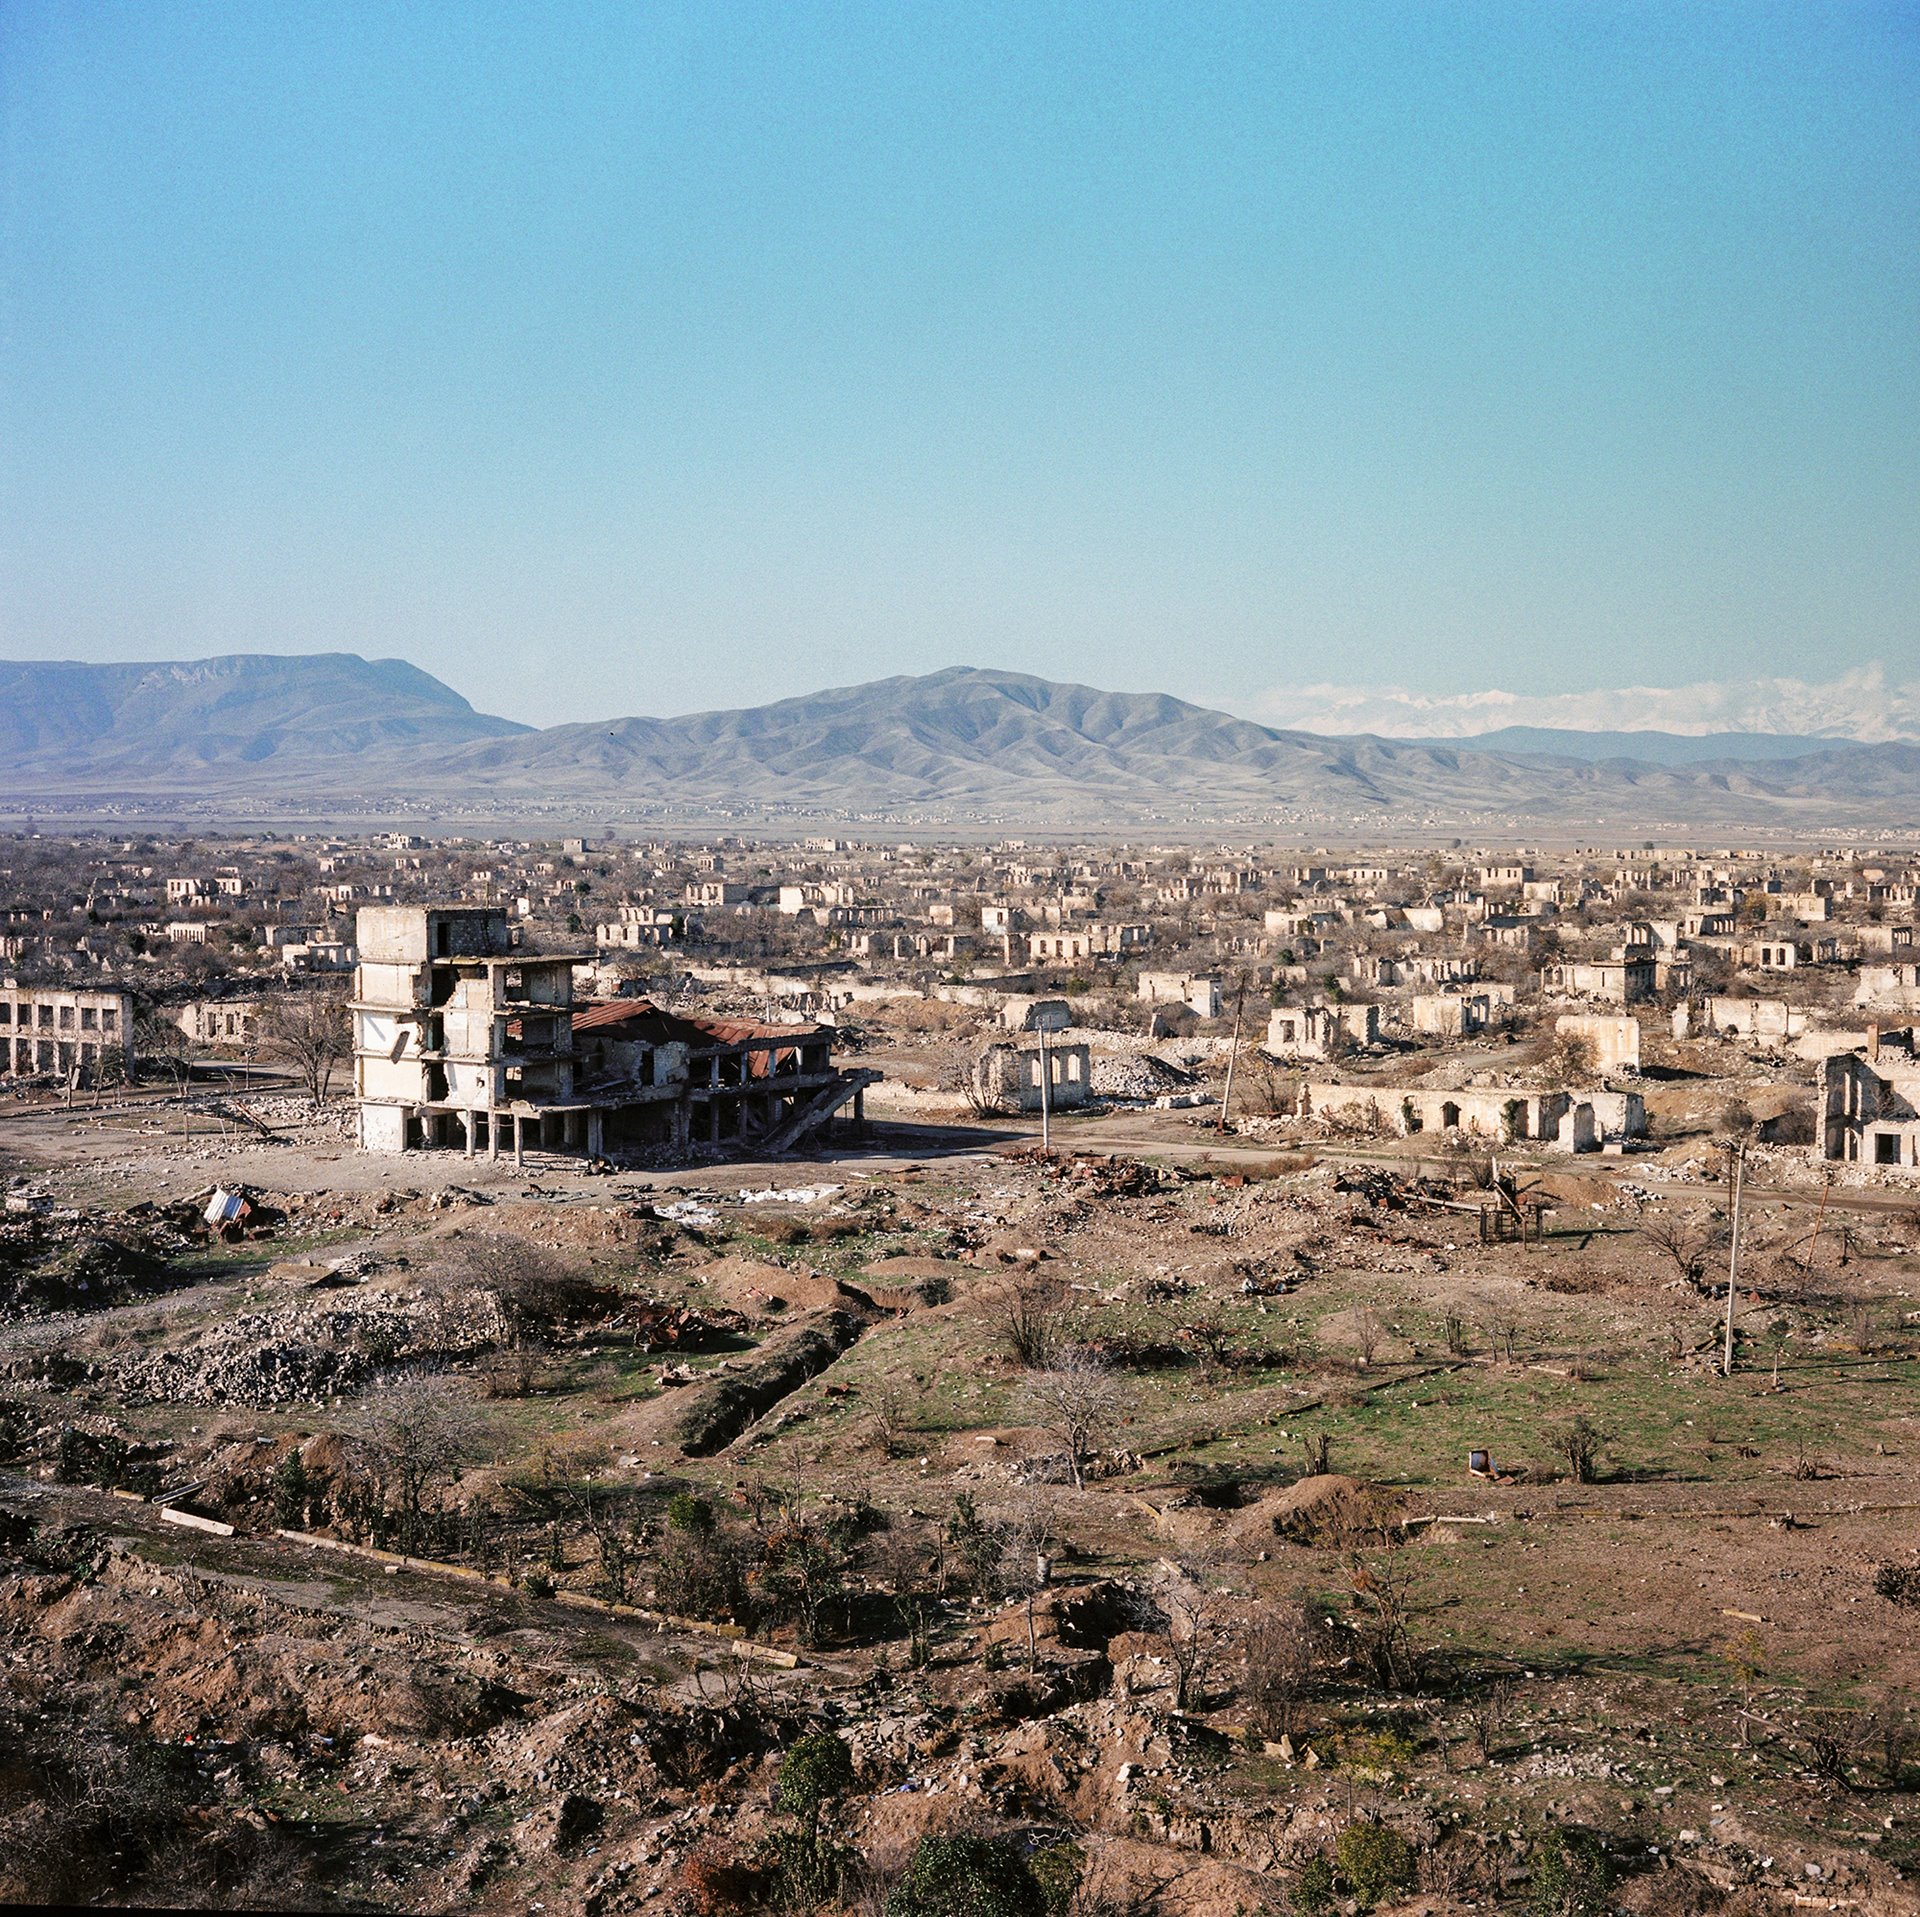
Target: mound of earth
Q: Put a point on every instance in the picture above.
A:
(914, 1265)
(1317, 1510)
(754, 1285)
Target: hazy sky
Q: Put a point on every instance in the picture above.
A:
(654, 356)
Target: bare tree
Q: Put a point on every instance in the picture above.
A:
(1570, 1059)
(1382, 1588)
(1487, 1713)
(159, 1041)
(418, 1435)
(1026, 1318)
(1283, 1649)
(535, 1291)
(1687, 1242)
(1080, 1400)
(894, 1404)
(1026, 1532)
(1193, 1611)
(1367, 1334)
(308, 1031)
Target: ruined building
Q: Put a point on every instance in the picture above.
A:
(1008, 1077)
(1872, 1114)
(47, 1029)
(461, 1039)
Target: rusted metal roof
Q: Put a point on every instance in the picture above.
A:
(640, 1021)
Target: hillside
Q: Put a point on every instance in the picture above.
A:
(263, 732)
(67, 723)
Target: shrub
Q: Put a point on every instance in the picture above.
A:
(1572, 1875)
(1898, 1583)
(698, 1574)
(964, 1875)
(1376, 1862)
(688, 1511)
(817, 1770)
(1313, 1893)
(1580, 1444)
(1058, 1870)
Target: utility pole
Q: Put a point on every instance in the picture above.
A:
(1046, 1102)
(1233, 1053)
(1739, 1153)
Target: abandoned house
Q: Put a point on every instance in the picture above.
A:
(1872, 1106)
(462, 1039)
(1580, 1121)
(1008, 1077)
(1620, 980)
(1459, 1014)
(45, 1029)
(214, 1021)
(1321, 1031)
(1892, 985)
(1199, 994)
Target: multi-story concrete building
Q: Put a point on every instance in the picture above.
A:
(459, 1037)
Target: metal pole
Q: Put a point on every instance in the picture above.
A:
(1046, 1126)
(1733, 1255)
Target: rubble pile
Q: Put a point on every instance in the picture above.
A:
(295, 1354)
(1139, 1075)
(66, 1259)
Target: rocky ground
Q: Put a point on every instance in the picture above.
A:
(466, 1538)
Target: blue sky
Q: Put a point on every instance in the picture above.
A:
(651, 357)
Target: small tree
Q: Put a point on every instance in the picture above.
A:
(1376, 1862)
(1580, 1443)
(293, 1489)
(308, 1031)
(1283, 1648)
(419, 1435)
(1081, 1402)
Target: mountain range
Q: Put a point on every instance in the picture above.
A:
(252, 734)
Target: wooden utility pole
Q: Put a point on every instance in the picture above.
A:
(1046, 1103)
(1733, 1255)
(1233, 1053)
(1819, 1219)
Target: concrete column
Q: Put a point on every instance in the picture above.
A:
(519, 1156)
(466, 1121)
(596, 1132)
(493, 1132)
